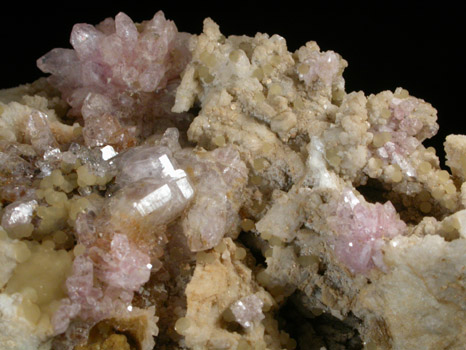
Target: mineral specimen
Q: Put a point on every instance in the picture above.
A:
(168, 190)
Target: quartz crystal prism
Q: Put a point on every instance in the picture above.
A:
(219, 178)
(152, 185)
(39, 133)
(154, 198)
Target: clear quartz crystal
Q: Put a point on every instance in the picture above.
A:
(39, 132)
(219, 177)
(248, 310)
(18, 213)
(151, 185)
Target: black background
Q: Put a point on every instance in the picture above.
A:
(418, 48)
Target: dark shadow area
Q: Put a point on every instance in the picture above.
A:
(419, 48)
(317, 329)
(373, 191)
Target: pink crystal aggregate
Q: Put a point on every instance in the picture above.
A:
(323, 66)
(362, 230)
(102, 283)
(125, 237)
(124, 267)
(116, 73)
(407, 131)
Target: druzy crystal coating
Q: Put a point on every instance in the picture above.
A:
(161, 189)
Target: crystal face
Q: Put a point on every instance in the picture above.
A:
(248, 310)
(17, 217)
(151, 186)
(168, 190)
(361, 229)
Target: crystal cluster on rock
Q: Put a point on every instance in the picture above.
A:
(117, 75)
(167, 190)
(361, 229)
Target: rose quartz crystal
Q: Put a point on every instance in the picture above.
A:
(82, 295)
(124, 267)
(362, 229)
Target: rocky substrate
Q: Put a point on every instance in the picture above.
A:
(168, 190)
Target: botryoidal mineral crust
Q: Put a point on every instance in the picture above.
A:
(170, 190)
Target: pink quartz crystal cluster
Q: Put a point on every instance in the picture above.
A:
(407, 130)
(124, 238)
(151, 193)
(115, 73)
(362, 230)
(102, 283)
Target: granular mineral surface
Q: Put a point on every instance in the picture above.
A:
(167, 190)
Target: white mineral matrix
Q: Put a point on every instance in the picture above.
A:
(169, 190)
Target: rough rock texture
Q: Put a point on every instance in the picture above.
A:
(220, 280)
(191, 191)
(455, 147)
(420, 298)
